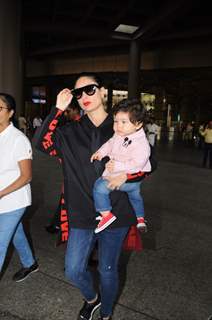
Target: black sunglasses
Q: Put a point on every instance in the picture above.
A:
(89, 90)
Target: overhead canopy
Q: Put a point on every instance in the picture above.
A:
(53, 27)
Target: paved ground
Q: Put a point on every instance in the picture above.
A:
(171, 279)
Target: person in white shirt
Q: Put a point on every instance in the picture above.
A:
(207, 134)
(37, 122)
(152, 131)
(15, 192)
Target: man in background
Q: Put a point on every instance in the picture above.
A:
(152, 129)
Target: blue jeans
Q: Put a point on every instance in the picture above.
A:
(101, 194)
(79, 247)
(207, 154)
(11, 228)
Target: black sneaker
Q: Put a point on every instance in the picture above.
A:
(88, 309)
(23, 273)
(103, 318)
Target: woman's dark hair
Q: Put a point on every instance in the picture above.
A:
(95, 77)
(8, 100)
(135, 108)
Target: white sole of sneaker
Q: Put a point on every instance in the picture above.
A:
(142, 229)
(94, 310)
(27, 275)
(141, 225)
(105, 225)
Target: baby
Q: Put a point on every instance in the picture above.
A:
(129, 152)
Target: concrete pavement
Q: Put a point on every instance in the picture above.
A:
(169, 280)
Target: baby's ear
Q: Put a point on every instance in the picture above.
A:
(139, 125)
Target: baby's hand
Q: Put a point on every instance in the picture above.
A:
(110, 166)
(96, 156)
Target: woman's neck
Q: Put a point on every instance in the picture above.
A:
(3, 126)
(97, 116)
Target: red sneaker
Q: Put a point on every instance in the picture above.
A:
(105, 222)
(141, 223)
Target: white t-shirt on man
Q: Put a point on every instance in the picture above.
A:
(14, 147)
(37, 122)
(152, 131)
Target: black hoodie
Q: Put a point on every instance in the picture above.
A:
(74, 143)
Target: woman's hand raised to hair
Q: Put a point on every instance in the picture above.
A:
(64, 98)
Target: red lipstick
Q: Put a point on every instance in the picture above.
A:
(86, 103)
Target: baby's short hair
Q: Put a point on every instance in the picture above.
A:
(135, 108)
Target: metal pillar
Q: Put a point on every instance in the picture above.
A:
(134, 70)
(11, 73)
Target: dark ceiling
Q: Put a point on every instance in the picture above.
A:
(73, 27)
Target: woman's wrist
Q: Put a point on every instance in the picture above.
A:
(2, 194)
(59, 108)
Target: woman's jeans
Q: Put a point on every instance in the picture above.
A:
(207, 154)
(11, 228)
(79, 247)
(101, 194)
